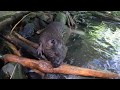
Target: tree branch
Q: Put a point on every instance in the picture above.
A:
(46, 67)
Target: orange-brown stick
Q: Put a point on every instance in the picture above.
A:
(35, 45)
(14, 49)
(45, 66)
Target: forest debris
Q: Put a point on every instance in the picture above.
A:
(39, 31)
(14, 49)
(19, 22)
(39, 72)
(16, 52)
(46, 67)
(17, 42)
(16, 72)
(12, 71)
(35, 45)
(104, 16)
(70, 20)
(13, 19)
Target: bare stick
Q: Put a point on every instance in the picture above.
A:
(35, 45)
(45, 66)
(14, 49)
(19, 22)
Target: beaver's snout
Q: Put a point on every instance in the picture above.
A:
(52, 43)
(56, 63)
(58, 60)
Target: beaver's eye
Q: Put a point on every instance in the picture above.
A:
(57, 54)
(53, 41)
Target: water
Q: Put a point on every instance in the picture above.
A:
(103, 53)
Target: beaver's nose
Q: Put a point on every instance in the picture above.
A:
(56, 63)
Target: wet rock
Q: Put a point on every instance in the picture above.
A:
(28, 30)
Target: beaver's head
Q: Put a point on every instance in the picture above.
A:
(55, 51)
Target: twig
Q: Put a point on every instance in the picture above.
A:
(13, 71)
(19, 43)
(70, 20)
(105, 17)
(39, 72)
(14, 49)
(35, 45)
(19, 22)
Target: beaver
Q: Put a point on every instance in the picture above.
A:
(52, 43)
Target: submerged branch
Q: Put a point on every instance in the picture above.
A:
(14, 49)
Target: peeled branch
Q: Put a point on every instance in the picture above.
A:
(14, 49)
(34, 45)
(46, 67)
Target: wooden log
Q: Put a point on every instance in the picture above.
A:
(46, 67)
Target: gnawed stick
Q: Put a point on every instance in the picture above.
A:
(45, 66)
(14, 49)
(19, 22)
(35, 45)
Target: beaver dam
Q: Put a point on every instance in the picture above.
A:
(59, 45)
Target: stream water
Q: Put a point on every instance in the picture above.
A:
(103, 53)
